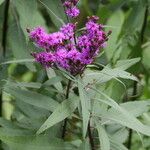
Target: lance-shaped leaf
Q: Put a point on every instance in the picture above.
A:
(122, 116)
(106, 75)
(103, 137)
(21, 140)
(33, 98)
(18, 44)
(64, 110)
(85, 105)
(125, 64)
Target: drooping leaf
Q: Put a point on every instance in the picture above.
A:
(136, 108)
(123, 117)
(30, 111)
(35, 85)
(33, 98)
(17, 61)
(107, 74)
(31, 142)
(125, 64)
(64, 110)
(18, 44)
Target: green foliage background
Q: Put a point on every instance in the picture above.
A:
(121, 74)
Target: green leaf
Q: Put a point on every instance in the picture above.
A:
(33, 98)
(27, 11)
(55, 10)
(115, 145)
(103, 138)
(125, 64)
(115, 20)
(17, 61)
(120, 115)
(7, 124)
(117, 132)
(18, 44)
(105, 75)
(85, 104)
(123, 117)
(30, 111)
(135, 18)
(64, 110)
(30, 142)
(137, 108)
(35, 85)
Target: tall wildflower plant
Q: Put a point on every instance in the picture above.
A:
(68, 50)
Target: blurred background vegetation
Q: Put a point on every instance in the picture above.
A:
(129, 21)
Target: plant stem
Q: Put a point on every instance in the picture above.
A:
(130, 131)
(4, 40)
(5, 26)
(130, 139)
(90, 137)
(65, 122)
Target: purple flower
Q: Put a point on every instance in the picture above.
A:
(72, 12)
(44, 58)
(56, 39)
(63, 51)
(68, 30)
(74, 55)
(37, 33)
(71, 9)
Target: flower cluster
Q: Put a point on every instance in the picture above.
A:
(71, 9)
(66, 50)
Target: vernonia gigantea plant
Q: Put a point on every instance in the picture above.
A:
(66, 49)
